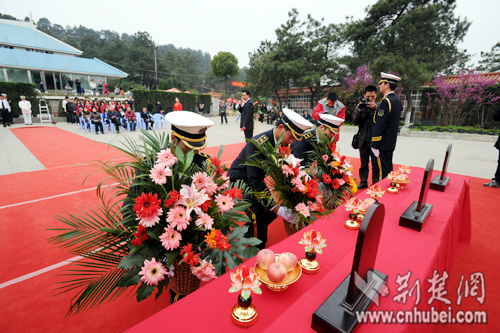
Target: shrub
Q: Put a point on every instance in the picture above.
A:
(14, 90)
(167, 99)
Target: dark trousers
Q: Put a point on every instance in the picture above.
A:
(133, 124)
(364, 169)
(68, 118)
(248, 133)
(98, 125)
(115, 122)
(261, 217)
(5, 117)
(382, 163)
(497, 173)
(222, 117)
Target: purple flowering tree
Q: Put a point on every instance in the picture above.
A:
(463, 99)
(363, 77)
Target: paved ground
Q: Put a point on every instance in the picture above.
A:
(472, 158)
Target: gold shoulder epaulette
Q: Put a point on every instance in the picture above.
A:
(307, 135)
(388, 102)
(204, 155)
(262, 139)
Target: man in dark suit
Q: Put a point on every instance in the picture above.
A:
(246, 110)
(385, 127)
(292, 127)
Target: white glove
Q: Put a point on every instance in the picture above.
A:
(375, 152)
(286, 214)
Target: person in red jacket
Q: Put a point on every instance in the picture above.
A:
(131, 118)
(329, 105)
(177, 105)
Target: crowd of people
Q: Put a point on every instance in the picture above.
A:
(95, 112)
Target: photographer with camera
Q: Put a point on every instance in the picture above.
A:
(363, 117)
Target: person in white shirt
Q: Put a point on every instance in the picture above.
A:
(25, 107)
(5, 111)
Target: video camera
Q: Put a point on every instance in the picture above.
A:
(363, 102)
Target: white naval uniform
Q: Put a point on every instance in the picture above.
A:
(25, 106)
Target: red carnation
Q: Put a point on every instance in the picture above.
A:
(284, 151)
(174, 197)
(234, 193)
(222, 242)
(206, 205)
(189, 257)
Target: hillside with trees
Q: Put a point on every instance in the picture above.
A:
(182, 68)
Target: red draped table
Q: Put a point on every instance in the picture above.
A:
(432, 251)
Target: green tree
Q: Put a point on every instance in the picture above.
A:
(413, 38)
(321, 66)
(491, 60)
(263, 72)
(224, 64)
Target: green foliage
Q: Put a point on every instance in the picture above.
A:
(189, 101)
(14, 90)
(224, 65)
(304, 54)
(491, 60)
(413, 38)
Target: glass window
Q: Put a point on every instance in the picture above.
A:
(35, 77)
(17, 75)
(83, 79)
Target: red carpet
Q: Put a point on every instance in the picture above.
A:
(29, 305)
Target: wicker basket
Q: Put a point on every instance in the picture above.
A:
(290, 228)
(183, 282)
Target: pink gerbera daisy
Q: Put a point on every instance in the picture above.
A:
(211, 187)
(205, 271)
(178, 218)
(159, 174)
(204, 220)
(325, 158)
(200, 180)
(166, 158)
(287, 170)
(152, 272)
(170, 239)
(224, 202)
(303, 209)
(312, 206)
(298, 183)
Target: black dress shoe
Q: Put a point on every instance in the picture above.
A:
(362, 186)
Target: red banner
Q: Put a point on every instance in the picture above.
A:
(238, 84)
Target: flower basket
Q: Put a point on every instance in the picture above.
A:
(184, 281)
(170, 219)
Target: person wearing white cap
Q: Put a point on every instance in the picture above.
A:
(327, 125)
(189, 131)
(290, 127)
(5, 111)
(385, 126)
(25, 107)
